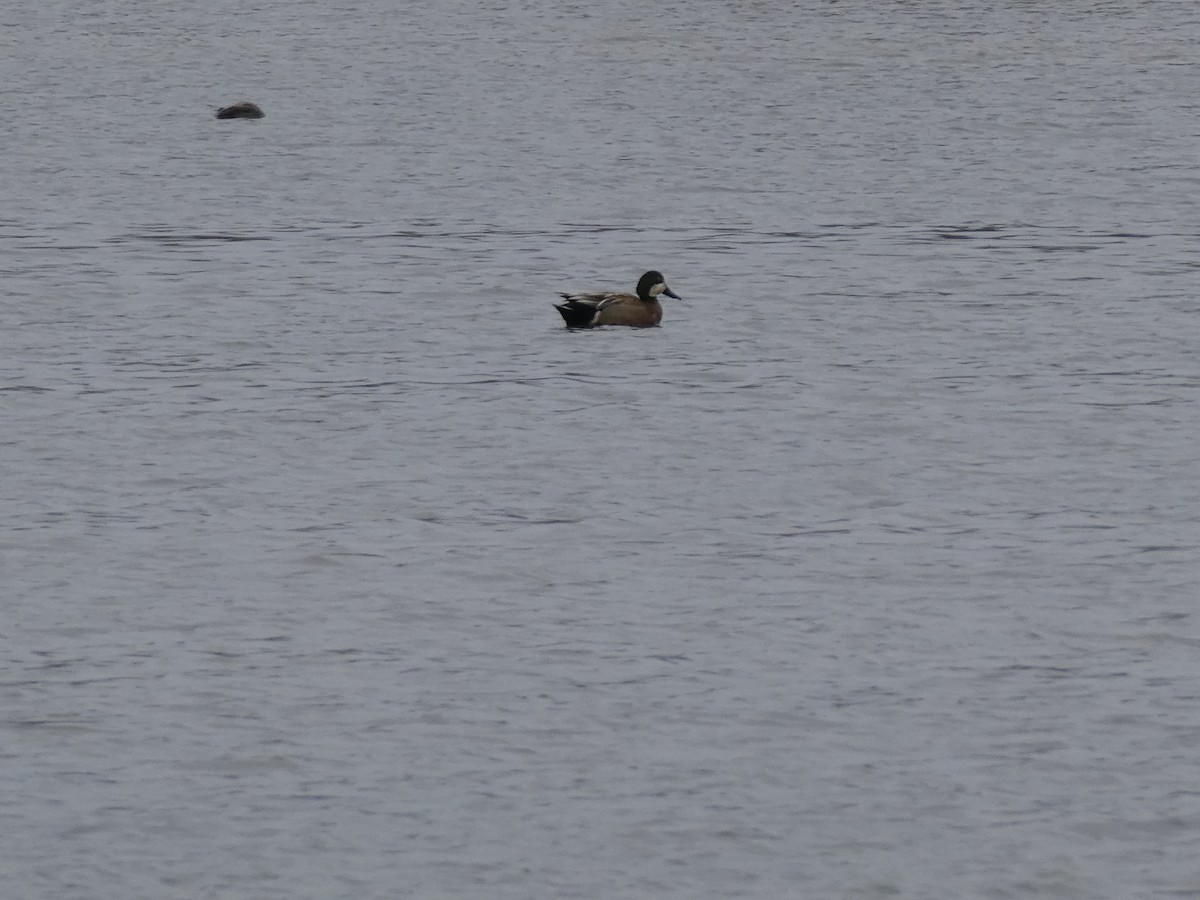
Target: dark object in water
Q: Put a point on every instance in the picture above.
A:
(243, 110)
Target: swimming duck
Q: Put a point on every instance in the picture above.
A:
(243, 110)
(605, 308)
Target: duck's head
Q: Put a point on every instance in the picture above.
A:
(652, 284)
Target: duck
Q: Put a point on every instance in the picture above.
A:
(243, 110)
(611, 308)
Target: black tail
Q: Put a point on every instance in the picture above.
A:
(576, 315)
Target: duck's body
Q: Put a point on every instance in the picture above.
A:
(640, 310)
(590, 310)
(243, 110)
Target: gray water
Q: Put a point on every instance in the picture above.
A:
(333, 566)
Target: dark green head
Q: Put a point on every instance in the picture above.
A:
(652, 284)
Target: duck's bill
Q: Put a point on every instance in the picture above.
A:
(671, 293)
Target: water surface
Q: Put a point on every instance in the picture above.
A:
(335, 567)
